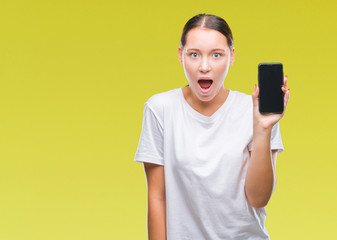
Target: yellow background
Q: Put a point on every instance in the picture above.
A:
(74, 76)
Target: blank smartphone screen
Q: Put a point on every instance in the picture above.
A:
(270, 77)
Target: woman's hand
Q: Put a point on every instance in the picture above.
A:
(260, 176)
(267, 121)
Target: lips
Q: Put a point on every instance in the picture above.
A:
(205, 83)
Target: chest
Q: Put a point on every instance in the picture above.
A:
(206, 148)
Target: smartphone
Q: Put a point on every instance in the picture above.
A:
(271, 96)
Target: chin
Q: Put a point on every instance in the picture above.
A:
(206, 98)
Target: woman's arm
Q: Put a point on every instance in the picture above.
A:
(156, 218)
(260, 176)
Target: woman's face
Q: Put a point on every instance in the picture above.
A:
(206, 58)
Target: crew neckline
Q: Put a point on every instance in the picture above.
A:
(202, 117)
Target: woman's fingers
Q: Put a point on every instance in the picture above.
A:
(256, 96)
(286, 98)
(284, 87)
(286, 92)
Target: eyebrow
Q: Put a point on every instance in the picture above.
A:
(215, 49)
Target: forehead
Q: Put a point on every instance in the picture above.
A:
(204, 38)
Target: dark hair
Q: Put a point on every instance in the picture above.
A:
(208, 21)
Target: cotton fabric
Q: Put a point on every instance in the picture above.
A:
(205, 161)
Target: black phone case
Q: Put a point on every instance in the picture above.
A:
(271, 96)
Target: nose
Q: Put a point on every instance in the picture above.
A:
(204, 65)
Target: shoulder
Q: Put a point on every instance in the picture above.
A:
(242, 100)
(163, 99)
(160, 102)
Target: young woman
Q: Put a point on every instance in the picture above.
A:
(209, 155)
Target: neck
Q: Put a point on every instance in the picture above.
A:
(206, 107)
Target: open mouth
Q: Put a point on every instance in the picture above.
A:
(205, 83)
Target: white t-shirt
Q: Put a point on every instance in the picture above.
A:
(205, 161)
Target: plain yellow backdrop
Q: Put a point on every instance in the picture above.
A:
(74, 77)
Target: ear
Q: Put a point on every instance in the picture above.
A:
(231, 61)
(180, 55)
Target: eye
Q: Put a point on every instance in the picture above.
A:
(217, 55)
(193, 54)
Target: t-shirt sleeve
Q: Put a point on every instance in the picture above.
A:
(150, 146)
(275, 139)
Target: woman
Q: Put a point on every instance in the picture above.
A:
(208, 153)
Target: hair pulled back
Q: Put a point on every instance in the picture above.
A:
(208, 21)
